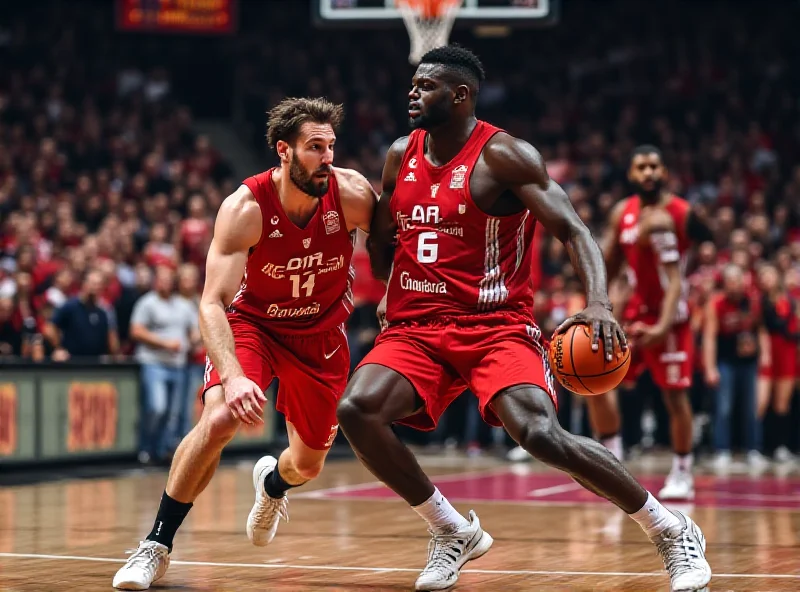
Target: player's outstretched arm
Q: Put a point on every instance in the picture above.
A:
(383, 228)
(236, 231)
(518, 166)
(358, 199)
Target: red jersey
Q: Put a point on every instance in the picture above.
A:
(297, 280)
(739, 321)
(645, 262)
(451, 258)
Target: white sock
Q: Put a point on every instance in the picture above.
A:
(655, 518)
(440, 515)
(682, 463)
(614, 445)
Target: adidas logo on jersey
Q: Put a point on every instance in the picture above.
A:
(275, 234)
(411, 176)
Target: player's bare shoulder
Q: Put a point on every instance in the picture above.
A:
(615, 216)
(513, 162)
(357, 197)
(239, 221)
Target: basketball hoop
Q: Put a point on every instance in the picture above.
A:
(428, 22)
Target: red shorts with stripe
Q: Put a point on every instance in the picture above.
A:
(484, 353)
(784, 359)
(670, 363)
(312, 372)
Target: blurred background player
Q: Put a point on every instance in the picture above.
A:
(452, 235)
(276, 296)
(651, 232)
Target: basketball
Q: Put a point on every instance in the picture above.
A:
(581, 370)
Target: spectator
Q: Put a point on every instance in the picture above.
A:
(734, 338)
(188, 288)
(164, 326)
(83, 327)
(10, 331)
(776, 381)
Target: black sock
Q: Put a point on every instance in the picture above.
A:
(274, 484)
(784, 429)
(168, 520)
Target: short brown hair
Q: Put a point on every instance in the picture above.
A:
(287, 117)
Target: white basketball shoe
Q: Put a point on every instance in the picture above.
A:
(684, 556)
(447, 554)
(262, 523)
(679, 485)
(147, 564)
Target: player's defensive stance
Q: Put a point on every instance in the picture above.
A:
(276, 295)
(460, 199)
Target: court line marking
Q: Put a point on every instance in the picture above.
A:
(321, 493)
(692, 506)
(555, 489)
(507, 572)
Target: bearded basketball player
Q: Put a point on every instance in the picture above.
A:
(451, 235)
(276, 297)
(652, 232)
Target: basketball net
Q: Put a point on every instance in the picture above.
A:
(428, 23)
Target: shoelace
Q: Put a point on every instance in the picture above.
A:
(270, 506)
(147, 557)
(443, 551)
(679, 553)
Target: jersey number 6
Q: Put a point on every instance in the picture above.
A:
(427, 247)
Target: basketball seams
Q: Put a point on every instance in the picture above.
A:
(572, 358)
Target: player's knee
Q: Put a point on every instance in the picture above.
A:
(542, 437)
(351, 411)
(219, 423)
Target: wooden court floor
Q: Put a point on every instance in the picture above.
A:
(348, 533)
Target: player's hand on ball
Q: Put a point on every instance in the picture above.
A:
(604, 326)
(245, 400)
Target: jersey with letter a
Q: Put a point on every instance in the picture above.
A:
(297, 280)
(645, 261)
(451, 258)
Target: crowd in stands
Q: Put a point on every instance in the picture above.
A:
(105, 187)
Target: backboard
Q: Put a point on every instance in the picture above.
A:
(473, 13)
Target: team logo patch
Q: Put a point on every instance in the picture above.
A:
(434, 190)
(458, 177)
(331, 219)
(306, 242)
(628, 219)
(412, 164)
(275, 220)
(462, 208)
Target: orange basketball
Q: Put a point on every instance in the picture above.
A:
(581, 370)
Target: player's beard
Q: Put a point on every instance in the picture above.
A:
(650, 195)
(434, 116)
(305, 181)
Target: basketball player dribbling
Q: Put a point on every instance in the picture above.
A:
(276, 296)
(452, 234)
(652, 233)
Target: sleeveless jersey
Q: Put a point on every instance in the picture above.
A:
(451, 259)
(297, 280)
(646, 272)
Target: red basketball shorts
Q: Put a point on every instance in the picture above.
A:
(670, 362)
(486, 354)
(784, 359)
(312, 372)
